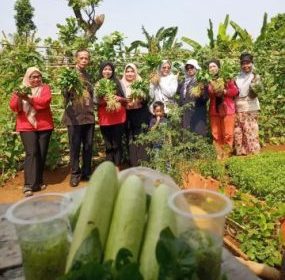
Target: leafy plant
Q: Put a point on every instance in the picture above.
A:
(24, 17)
(11, 148)
(88, 265)
(211, 168)
(23, 90)
(180, 148)
(106, 88)
(262, 175)
(17, 55)
(202, 78)
(259, 239)
(193, 256)
(255, 87)
(70, 80)
(140, 90)
(229, 69)
(218, 85)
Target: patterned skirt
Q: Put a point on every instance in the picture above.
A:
(246, 140)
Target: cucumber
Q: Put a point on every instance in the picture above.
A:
(96, 208)
(160, 217)
(128, 219)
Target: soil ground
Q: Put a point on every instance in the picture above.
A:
(58, 181)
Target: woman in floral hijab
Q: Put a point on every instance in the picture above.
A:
(31, 103)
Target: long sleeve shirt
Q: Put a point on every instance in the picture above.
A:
(164, 91)
(245, 103)
(228, 98)
(43, 114)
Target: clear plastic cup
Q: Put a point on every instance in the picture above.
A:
(200, 217)
(44, 235)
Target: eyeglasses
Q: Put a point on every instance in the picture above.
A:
(165, 67)
(35, 77)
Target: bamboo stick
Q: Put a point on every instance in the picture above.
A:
(260, 269)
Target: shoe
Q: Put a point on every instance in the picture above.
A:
(74, 182)
(42, 187)
(28, 193)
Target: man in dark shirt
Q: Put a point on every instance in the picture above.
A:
(80, 121)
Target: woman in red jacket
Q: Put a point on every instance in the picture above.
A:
(222, 110)
(112, 122)
(35, 124)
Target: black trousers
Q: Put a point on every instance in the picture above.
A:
(80, 134)
(136, 119)
(36, 147)
(113, 136)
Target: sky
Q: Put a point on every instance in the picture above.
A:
(128, 16)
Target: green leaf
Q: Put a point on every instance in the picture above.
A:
(90, 250)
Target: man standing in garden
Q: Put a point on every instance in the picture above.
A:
(80, 121)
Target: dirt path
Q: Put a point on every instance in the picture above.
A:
(58, 181)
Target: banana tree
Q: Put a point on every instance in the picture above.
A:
(164, 39)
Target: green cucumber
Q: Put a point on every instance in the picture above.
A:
(128, 219)
(160, 216)
(96, 208)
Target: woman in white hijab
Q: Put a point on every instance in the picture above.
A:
(35, 124)
(137, 115)
(163, 86)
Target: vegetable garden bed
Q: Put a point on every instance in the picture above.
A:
(254, 227)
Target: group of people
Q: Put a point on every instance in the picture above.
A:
(233, 109)
(233, 113)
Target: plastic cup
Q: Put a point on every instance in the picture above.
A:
(44, 234)
(200, 216)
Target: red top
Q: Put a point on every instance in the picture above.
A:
(231, 92)
(41, 104)
(111, 117)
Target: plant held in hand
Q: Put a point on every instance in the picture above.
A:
(23, 90)
(218, 86)
(202, 78)
(139, 90)
(256, 87)
(70, 80)
(106, 89)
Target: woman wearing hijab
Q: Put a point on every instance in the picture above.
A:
(163, 86)
(35, 124)
(222, 110)
(137, 115)
(195, 114)
(112, 123)
(247, 106)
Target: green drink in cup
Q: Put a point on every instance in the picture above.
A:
(44, 234)
(200, 216)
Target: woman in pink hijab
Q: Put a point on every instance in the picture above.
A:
(137, 115)
(35, 124)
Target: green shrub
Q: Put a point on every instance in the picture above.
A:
(180, 149)
(262, 175)
(259, 239)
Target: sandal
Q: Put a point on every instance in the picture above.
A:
(28, 193)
